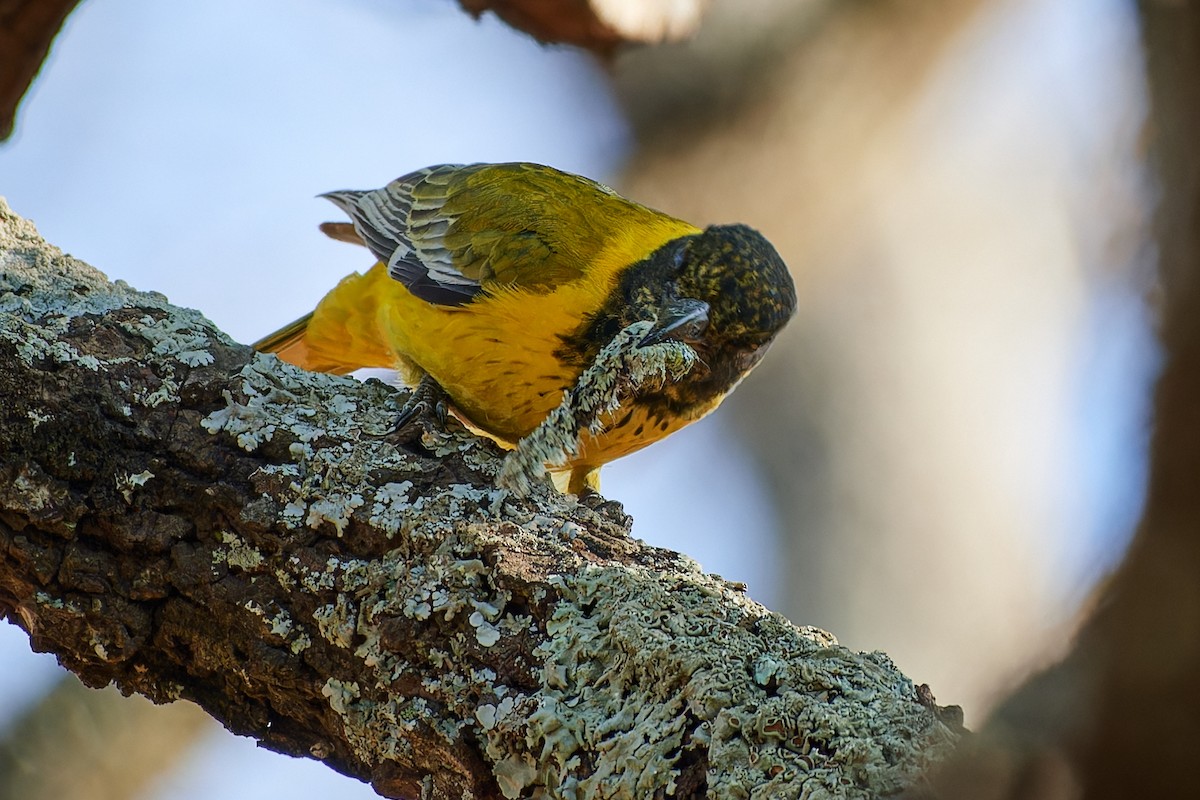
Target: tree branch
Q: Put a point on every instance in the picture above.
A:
(27, 28)
(187, 519)
(597, 25)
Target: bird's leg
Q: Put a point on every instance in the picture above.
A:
(584, 478)
(427, 396)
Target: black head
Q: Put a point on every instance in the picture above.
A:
(745, 283)
(725, 291)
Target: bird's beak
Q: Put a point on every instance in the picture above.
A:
(682, 319)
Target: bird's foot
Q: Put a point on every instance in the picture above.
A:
(612, 509)
(426, 406)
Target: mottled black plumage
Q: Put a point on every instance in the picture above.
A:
(747, 289)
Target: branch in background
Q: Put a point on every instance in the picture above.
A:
(597, 25)
(96, 731)
(27, 27)
(187, 519)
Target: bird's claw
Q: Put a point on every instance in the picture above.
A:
(427, 397)
(612, 509)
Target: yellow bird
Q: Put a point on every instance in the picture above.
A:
(499, 284)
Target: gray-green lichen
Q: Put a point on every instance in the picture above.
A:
(634, 677)
(333, 444)
(620, 369)
(636, 667)
(781, 712)
(238, 553)
(127, 484)
(37, 312)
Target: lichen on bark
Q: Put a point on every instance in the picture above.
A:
(187, 519)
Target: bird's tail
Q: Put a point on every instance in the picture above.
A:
(290, 343)
(340, 336)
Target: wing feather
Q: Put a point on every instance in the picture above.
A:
(451, 232)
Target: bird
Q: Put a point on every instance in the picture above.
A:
(497, 285)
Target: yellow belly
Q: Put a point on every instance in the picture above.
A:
(495, 357)
(631, 428)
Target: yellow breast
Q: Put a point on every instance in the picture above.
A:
(497, 357)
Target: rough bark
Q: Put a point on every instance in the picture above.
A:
(186, 519)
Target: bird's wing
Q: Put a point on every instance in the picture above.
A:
(450, 232)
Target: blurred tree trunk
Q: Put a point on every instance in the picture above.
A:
(1118, 718)
(27, 28)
